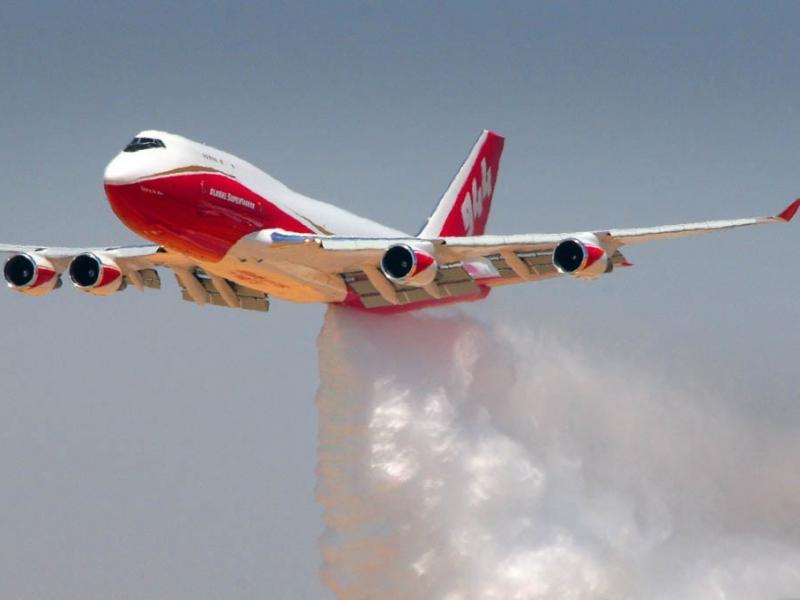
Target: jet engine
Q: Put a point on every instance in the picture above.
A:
(405, 265)
(582, 258)
(96, 274)
(31, 274)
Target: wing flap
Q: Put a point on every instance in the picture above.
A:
(452, 281)
(219, 293)
(144, 278)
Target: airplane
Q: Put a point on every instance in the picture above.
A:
(234, 236)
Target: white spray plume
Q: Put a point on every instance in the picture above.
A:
(461, 461)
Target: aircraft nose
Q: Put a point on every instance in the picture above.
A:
(121, 170)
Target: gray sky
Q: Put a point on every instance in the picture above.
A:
(150, 448)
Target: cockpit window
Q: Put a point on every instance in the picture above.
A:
(143, 144)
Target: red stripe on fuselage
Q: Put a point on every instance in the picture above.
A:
(201, 215)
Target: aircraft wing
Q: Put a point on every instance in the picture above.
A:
(133, 257)
(466, 263)
(137, 266)
(614, 238)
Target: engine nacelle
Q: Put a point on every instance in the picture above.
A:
(405, 265)
(583, 259)
(31, 274)
(96, 274)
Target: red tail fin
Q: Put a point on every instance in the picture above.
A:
(464, 208)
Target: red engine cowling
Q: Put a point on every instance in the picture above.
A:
(31, 274)
(96, 274)
(583, 259)
(405, 265)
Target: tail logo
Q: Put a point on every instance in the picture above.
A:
(474, 203)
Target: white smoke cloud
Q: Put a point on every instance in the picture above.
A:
(461, 461)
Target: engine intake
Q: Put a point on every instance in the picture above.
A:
(96, 274)
(403, 264)
(31, 274)
(583, 260)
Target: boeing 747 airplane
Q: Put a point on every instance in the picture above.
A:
(233, 236)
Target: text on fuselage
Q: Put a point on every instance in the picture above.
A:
(228, 197)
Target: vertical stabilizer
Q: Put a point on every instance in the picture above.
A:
(464, 208)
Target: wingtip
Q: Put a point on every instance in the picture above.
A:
(790, 211)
